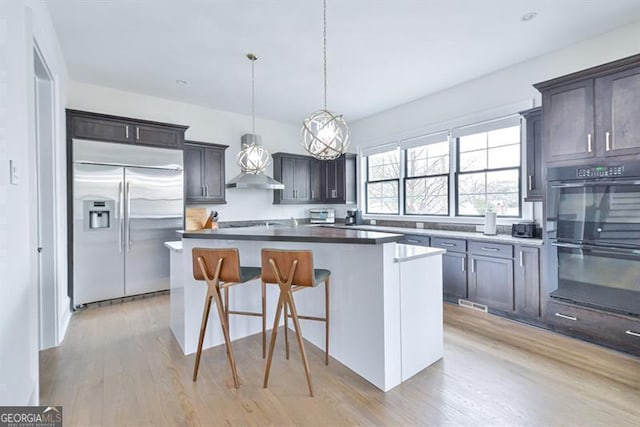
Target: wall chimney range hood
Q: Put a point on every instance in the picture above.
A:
(260, 181)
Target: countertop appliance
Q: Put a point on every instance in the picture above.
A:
(593, 235)
(525, 230)
(322, 216)
(354, 217)
(127, 201)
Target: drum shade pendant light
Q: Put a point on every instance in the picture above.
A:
(325, 135)
(253, 157)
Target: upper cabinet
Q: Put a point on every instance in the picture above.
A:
(308, 180)
(535, 179)
(107, 128)
(592, 114)
(204, 172)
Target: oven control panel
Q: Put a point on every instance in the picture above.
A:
(600, 172)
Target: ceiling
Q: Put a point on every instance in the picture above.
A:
(380, 53)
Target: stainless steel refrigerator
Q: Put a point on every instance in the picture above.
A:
(127, 201)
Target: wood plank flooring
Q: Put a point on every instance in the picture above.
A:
(120, 365)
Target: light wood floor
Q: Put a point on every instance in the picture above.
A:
(120, 365)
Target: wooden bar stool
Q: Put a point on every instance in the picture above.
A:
(221, 269)
(292, 271)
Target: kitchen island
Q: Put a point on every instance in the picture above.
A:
(386, 298)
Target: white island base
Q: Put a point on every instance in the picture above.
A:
(386, 304)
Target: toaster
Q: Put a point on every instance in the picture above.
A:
(524, 229)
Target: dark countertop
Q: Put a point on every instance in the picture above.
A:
(317, 234)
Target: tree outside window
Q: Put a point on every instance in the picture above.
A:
(427, 179)
(383, 178)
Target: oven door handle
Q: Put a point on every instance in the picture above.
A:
(592, 183)
(627, 251)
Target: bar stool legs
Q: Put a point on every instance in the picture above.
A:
(286, 302)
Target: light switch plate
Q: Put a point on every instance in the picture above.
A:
(420, 225)
(13, 173)
(372, 221)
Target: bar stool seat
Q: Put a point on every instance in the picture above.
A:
(292, 270)
(220, 269)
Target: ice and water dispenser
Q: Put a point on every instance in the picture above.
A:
(98, 214)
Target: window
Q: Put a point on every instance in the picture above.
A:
(489, 173)
(426, 183)
(383, 179)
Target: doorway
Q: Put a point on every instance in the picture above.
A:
(44, 94)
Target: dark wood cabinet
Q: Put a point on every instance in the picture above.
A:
(454, 276)
(204, 172)
(592, 114)
(527, 281)
(491, 282)
(308, 180)
(617, 112)
(107, 128)
(535, 188)
(609, 329)
(294, 171)
(568, 117)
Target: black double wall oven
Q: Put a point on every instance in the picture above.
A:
(592, 232)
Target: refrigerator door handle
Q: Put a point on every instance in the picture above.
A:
(128, 222)
(120, 216)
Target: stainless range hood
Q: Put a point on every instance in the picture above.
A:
(259, 181)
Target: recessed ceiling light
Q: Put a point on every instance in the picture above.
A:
(528, 16)
(182, 82)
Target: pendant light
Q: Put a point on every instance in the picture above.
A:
(325, 135)
(253, 157)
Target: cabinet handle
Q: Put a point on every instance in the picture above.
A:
(607, 138)
(202, 190)
(137, 133)
(589, 147)
(126, 131)
(334, 193)
(473, 268)
(206, 191)
(412, 241)
(521, 258)
(449, 245)
(635, 334)
(313, 194)
(564, 316)
(530, 182)
(462, 263)
(490, 249)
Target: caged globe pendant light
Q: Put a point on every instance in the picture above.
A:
(325, 135)
(253, 157)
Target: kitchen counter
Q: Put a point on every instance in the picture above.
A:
(316, 234)
(386, 298)
(467, 235)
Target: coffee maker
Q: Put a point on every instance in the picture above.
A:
(354, 217)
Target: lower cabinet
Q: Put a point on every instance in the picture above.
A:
(527, 281)
(491, 282)
(454, 276)
(616, 331)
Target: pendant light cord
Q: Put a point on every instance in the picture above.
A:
(324, 50)
(253, 98)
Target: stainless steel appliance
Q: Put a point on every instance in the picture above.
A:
(593, 234)
(525, 230)
(322, 216)
(127, 201)
(354, 217)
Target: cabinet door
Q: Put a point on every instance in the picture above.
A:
(158, 136)
(454, 276)
(302, 180)
(618, 112)
(193, 178)
(317, 180)
(491, 282)
(568, 116)
(288, 174)
(213, 175)
(334, 180)
(102, 130)
(535, 182)
(527, 281)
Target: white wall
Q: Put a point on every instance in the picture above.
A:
(206, 125)
(25, 22)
